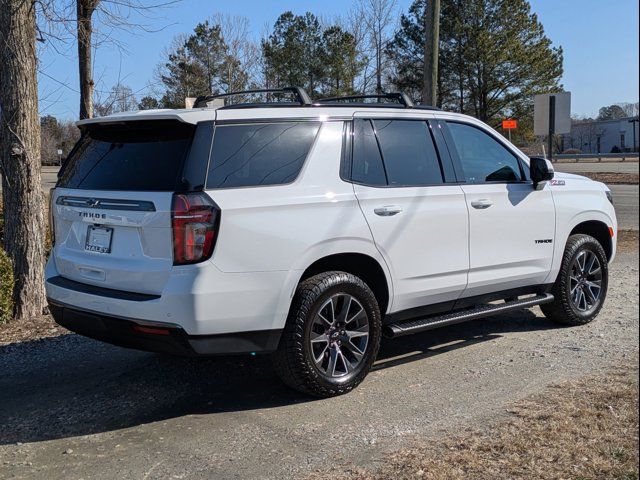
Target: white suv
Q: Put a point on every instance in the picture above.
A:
(309, 230)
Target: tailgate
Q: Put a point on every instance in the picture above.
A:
(112, 204)
(119, 240)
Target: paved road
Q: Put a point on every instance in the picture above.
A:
(625, 199)
(124, 414)
(49, 177)
(617, 167)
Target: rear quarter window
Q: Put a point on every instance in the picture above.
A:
(258, 154)
(144, 156)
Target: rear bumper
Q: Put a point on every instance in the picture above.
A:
(200, 299)
(166, 338)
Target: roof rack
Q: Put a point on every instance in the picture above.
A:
(400, 97)
(302, 97)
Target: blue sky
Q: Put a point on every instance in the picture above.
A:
(600, 42)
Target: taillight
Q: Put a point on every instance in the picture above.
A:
(194, 219)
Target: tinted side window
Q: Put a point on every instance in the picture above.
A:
(409, 155)
(259, 154)
(367, 165)
(137, 156)
(483, 158)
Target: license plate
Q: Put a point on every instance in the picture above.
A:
(98, 239)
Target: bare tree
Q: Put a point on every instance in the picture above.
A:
(354, 25)
(630, 109)
(20, 156)
(242, 62)
(378, 17)
(121, 98)
(93, 23)
(85, 10)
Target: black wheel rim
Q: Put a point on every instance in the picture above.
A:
(585, 281)
(339, 336)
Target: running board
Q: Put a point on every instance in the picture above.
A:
(423, 324)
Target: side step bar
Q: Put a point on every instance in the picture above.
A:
(414, 326)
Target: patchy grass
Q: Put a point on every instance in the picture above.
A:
(584, 429)
(37, 327)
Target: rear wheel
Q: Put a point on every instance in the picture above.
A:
(581, 286)
(331, 337)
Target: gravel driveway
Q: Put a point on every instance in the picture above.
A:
(74, 408)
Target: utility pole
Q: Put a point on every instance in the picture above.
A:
(633, 122)
(431, 45)
(552, 126)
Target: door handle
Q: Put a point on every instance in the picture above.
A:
(388, 210)
(481, 204)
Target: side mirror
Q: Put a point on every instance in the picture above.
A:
(541, 170)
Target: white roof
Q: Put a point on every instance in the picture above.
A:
(195, 115)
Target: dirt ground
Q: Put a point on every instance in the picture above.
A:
(71, 407)
(611, 178)
(583, 429)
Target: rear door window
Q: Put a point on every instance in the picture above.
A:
(409, 155)
(258, 154)
(137, 156)
(367, 162)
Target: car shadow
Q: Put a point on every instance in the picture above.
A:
(70, 386)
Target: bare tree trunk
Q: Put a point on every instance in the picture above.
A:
(431, 47)
(85, 9)
(20, 156)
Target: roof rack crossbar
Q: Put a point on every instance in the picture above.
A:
(301, 95)
(401, 97)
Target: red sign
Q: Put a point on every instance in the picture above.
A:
(509, 124)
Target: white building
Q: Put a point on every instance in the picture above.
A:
(604, 136)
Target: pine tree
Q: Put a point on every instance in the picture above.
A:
(292, 52)
(201, 64)
(494, 57)
(340, 62)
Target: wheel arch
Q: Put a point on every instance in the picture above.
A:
(598, 230)
(367, 268)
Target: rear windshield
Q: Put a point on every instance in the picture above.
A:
(144, 156)
(258, 154)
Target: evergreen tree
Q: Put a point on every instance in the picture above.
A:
(148, 103)
(494, 57)
(340, 62)
(612, 112)
(206, 49)
(182, 77)
(201, 64)
(292, 53)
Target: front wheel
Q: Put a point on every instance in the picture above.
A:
(331, 337)
(581, 286)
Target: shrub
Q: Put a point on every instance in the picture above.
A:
(572, 151)
(6, 287)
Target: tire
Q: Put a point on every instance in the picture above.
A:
(324, 351)
(575, 301)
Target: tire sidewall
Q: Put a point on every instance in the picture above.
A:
(588, 244)
(345, 283)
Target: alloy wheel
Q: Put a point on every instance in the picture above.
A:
(339, 335)
(585, 281)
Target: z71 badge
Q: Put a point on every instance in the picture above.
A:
(556, 183)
